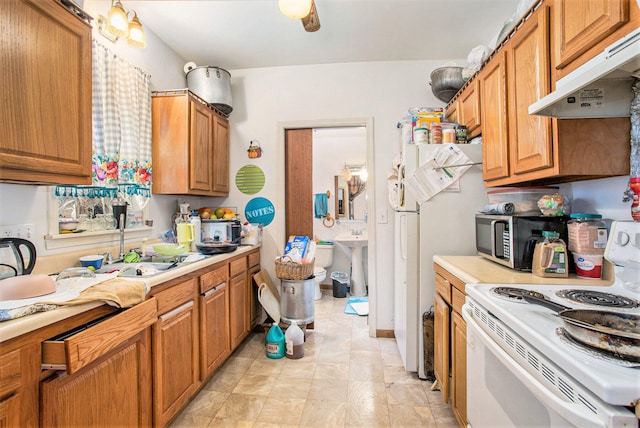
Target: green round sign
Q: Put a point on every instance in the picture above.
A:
(250, 179)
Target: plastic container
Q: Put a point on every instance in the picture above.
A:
(197, 227)
(550, 256)
(524, 199)
(275, 346)
(634, 185)
(420, 135)
(95, 261)
(588, 266)
(294, 340)
(340, 282)
(587, 233)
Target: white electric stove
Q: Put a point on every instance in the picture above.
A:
(522, 370)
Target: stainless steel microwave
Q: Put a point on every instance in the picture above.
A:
(510, 239)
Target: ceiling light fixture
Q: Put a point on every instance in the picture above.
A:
(346, 173)
(117, 25)
(136, 35)
(295, 9)
(117, 21)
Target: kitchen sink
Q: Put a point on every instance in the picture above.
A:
(143, 269)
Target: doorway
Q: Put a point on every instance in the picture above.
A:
(281, 199)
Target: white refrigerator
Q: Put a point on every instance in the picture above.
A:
(445, 225)
(406, 257)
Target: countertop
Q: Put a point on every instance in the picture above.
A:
(477, 269)
(17, 327)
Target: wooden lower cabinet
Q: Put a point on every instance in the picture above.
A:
(239, 315)
(459, 368)
(137, 367)
(450, 342)
(115, 391)
(175, 350)
(215, 344)
(441, 325)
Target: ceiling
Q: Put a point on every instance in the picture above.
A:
(238, 34)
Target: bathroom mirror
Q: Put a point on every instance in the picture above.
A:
(351, 200)
(342, 198)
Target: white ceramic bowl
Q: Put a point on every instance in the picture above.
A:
(68, 224)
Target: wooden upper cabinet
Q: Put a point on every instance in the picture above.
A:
(469, 109)
(200, 148)
(495, 138)
(45, 107)
(581, 25)
(190, 146)
(465, 109)
(220, 155)
(528, 77)
(451, 112)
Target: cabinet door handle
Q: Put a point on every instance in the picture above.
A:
(214, 289)
(176, 311)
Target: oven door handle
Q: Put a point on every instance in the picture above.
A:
(571, 411)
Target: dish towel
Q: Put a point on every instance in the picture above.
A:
(118, 292)
(321, 205)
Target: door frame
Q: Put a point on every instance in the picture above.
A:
(280, 205)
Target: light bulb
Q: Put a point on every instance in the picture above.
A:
(117, 21)
(295, 9)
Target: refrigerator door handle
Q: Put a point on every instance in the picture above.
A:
(403, 237)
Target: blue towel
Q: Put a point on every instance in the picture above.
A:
(321, 205)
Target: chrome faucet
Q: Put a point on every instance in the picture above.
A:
(109, 258)
(357, 232)
(121, 236)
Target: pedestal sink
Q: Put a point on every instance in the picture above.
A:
(356, 243)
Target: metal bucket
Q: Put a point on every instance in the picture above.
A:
(297, 300)
(212, 84)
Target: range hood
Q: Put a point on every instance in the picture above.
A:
(599, 88)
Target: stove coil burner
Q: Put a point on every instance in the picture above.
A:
(598, 298)
(511, 294)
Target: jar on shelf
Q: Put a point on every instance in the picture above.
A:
(634, 184)
(587, 233)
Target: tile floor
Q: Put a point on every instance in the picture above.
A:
(345, 379)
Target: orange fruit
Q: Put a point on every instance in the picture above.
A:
(228, 211)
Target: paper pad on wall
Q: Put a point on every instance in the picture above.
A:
(439, 173)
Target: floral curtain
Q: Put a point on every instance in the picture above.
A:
(121, 123)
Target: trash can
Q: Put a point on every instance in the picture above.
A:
(297, 301)
(340, 282)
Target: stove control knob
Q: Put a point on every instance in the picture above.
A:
(636, 240)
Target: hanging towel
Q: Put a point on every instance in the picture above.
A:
(321, 205)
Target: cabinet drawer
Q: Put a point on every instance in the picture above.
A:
(443, 287)
(254, 259)
(78, 348)
(213, 278)
(9, 372)
(175, 296)
(458, 300)
(237, 266)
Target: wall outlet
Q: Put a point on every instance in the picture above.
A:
(24, 231)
